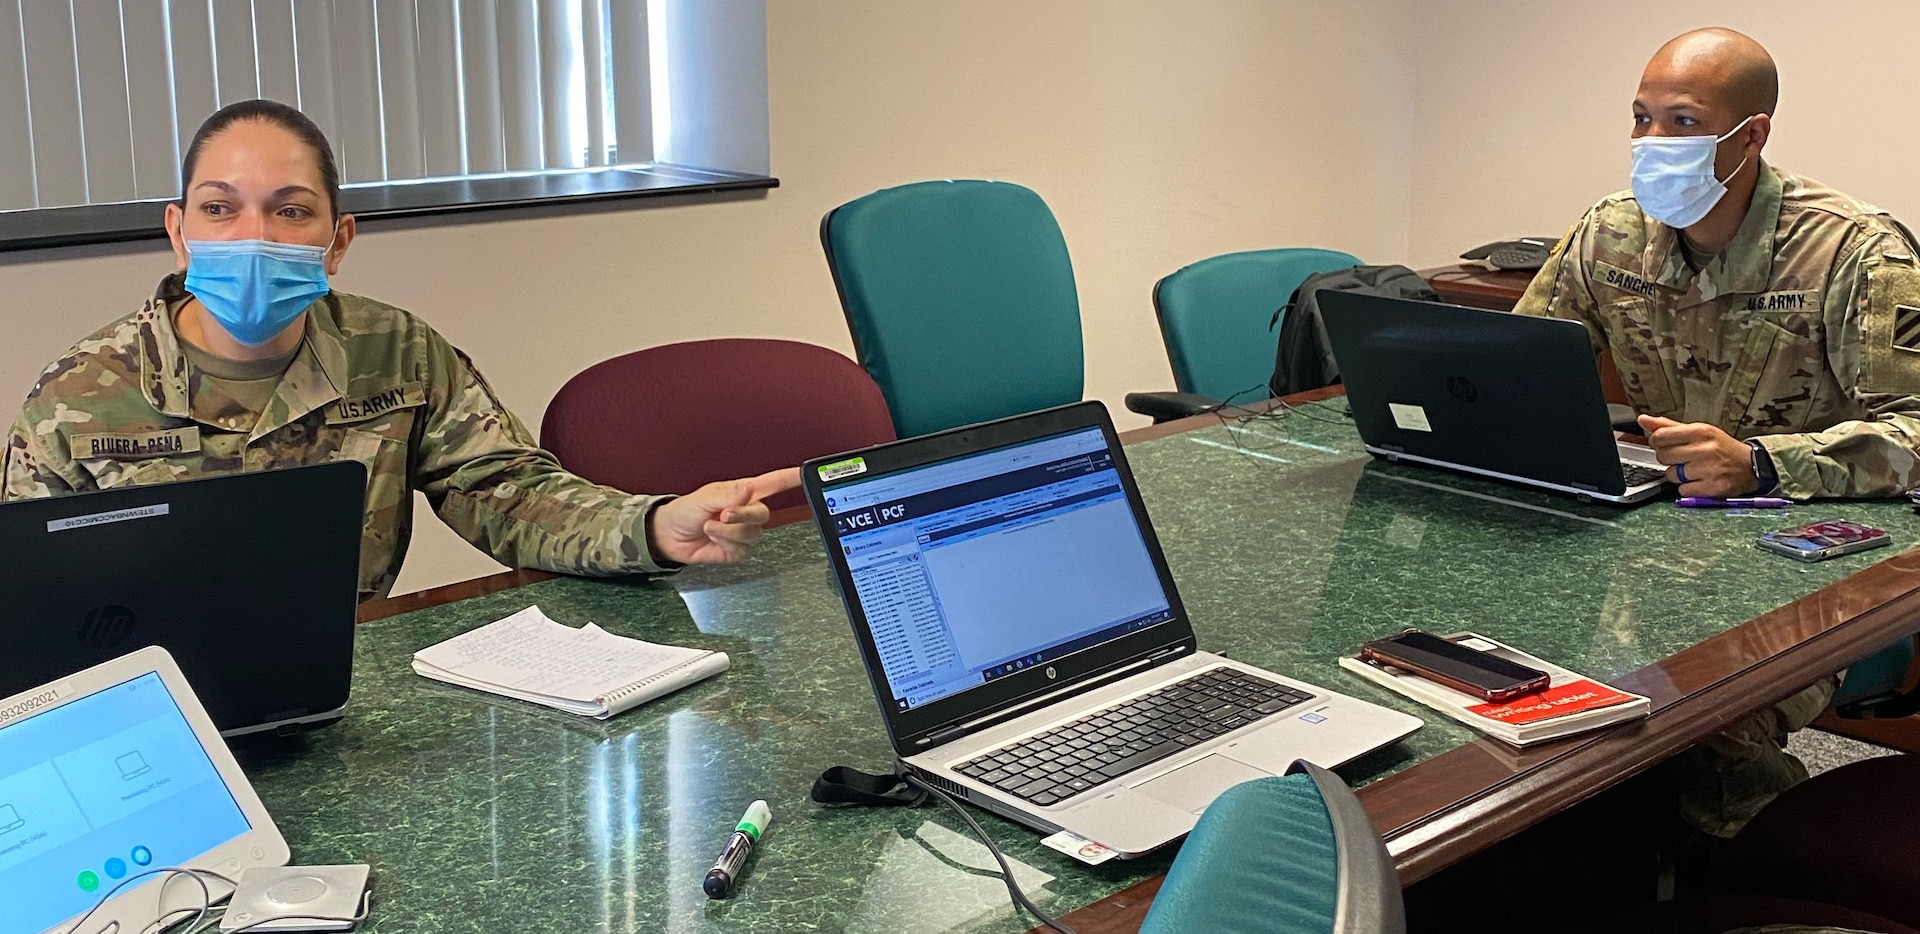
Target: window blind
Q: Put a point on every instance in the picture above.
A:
(99, 98)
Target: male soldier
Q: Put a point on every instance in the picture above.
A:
(1767, 327)
(245, 359)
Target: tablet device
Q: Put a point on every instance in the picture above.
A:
(106, 777)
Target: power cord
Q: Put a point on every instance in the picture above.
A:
(199, 914)
(1232, 414)
(203, 917)
(1020, 899)
(206, 894)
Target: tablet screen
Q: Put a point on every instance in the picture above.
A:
(98, 790)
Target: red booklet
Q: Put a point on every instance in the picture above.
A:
(1572, 697)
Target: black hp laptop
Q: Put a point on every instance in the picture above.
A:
(1027, 645)
(1513, 397)
(250, 581)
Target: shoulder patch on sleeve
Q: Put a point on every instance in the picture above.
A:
(1890, 330)
(1906, 328)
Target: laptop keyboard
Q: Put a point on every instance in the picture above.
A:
(1128, 736)
(1637, 474)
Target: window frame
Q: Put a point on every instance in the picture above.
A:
(700, 103)
(79, 225)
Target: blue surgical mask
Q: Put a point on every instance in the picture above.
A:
(1673, 176)
(255, 288)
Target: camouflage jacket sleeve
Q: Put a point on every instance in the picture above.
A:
(1873, 330)
(1561, 288)
(489, 481)
(28, 470)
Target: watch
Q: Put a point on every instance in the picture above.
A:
(1763, 469)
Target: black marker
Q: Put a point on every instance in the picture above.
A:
(727, 868)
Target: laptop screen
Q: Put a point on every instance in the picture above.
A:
(98, 790)
(973, 568)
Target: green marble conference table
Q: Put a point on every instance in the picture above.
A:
(1290, 546)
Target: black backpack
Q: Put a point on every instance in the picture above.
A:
(1305, 359)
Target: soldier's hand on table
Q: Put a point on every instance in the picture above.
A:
(716, 523)
(1704, 460)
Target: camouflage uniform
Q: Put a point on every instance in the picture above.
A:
(1803, 333)
(370, 383)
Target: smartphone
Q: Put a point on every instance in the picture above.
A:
(1818, 541)
(1469, 671)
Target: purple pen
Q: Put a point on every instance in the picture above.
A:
(1738, 502)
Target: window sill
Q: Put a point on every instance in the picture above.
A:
(140, 220)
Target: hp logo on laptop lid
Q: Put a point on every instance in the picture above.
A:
(106, 626)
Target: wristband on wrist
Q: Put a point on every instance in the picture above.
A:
(1763, 469)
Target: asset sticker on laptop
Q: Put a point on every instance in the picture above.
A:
(1080, 848)
(1409, 417)
(852, 466)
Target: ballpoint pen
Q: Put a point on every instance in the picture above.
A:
(1737, 502)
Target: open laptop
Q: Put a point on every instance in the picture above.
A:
(1027, 645)
(106, 776)
(1513, 397)
(249, 580)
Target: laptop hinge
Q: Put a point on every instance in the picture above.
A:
(958, 730)
(1395, 448)
(1166, 655)
(1585, 486)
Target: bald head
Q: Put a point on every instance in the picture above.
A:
(1720, 86)
(1721, 69)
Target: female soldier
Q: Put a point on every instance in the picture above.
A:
(245, 360)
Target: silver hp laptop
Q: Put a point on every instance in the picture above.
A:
(1512, 397)
(1027, 645)
(110, 777)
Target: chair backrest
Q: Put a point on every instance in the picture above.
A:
(670, 419)
(1878, 679)
(961, 301)
(1286, 855)
(1214, 316)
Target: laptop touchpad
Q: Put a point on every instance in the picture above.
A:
(1193, 786)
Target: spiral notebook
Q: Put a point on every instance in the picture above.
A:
(587, 671)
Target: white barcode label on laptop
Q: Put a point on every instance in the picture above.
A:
(1409, 417)
(102, 518)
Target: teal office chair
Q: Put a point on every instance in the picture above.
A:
(1217, 321)
(1286, 855)
(1873, 686)
(961, 301)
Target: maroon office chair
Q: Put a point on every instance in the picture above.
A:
(1849, 836)
(671, 419)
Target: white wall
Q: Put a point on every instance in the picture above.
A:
(1398, 130)
(1160, 134)
(1525, 107)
